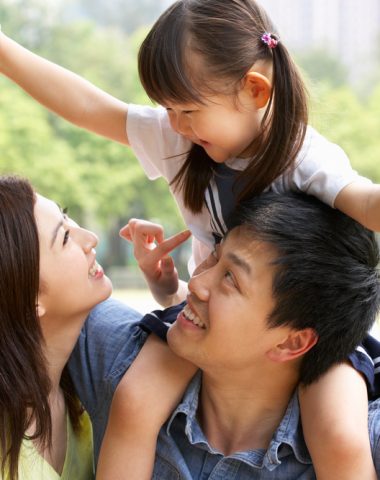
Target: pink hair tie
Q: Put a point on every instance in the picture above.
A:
(270, 39)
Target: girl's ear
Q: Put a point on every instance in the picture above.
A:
(259, 87)
(296, 344)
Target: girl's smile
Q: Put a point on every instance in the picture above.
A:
(225, 125)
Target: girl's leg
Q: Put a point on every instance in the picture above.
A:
(334, 412)
(143, 400)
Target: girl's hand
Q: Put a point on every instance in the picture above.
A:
(151, 252)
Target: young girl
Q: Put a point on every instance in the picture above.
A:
(232, 123)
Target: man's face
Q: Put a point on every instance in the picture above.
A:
(224, 324)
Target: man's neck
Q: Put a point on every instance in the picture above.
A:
(242, 415)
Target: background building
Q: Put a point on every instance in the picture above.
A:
(347, 29)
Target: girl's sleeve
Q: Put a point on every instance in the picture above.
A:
(322, 169)
(160, 150)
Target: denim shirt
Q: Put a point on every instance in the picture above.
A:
(184, 453)
(111, 340)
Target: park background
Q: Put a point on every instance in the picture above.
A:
(335, 42)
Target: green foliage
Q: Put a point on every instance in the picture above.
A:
(353, 124)
(127, 16)
(28, 147)
(101, 181)
(320, 66)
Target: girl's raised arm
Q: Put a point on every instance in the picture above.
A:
(361, 201)
(63, 92)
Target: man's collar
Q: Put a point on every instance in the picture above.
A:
(287, 439)
(189, 404)
(288, 436)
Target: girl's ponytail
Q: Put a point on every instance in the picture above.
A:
(283, 126)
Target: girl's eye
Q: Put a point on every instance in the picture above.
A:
(66, 237)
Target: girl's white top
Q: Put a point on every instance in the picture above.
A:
(322, 169)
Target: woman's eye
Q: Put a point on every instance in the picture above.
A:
(66, 237)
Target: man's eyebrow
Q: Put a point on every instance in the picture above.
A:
(238, 261)
(55, 232)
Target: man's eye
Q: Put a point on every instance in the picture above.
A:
(66, 237)
(228, 275)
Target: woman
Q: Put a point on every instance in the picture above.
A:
(49, 282)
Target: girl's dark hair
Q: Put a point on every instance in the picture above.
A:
(24, 381)
(227, 35)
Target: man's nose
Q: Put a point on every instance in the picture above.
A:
(200, 285)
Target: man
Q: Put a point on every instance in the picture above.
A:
(293, 290)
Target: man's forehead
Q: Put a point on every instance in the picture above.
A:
(245, 243)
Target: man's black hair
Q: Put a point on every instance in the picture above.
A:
(326, 273)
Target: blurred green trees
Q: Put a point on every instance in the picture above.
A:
(101, 182)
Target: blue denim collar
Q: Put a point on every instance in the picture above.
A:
(287, 439)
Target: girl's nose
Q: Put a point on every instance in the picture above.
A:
(183, 125)
(179, 123)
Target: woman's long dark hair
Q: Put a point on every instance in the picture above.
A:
(24, 381)
(227, 35)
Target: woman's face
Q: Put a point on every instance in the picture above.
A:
(71, 281)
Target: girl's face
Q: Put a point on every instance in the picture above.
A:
(225, 125)
(71, 281)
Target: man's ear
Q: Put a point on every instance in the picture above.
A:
(296, 344)
(259, 87)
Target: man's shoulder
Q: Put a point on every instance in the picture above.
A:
(108, 343)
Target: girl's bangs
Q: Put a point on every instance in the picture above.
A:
(163, 69)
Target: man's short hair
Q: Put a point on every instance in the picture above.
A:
(326, 274)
